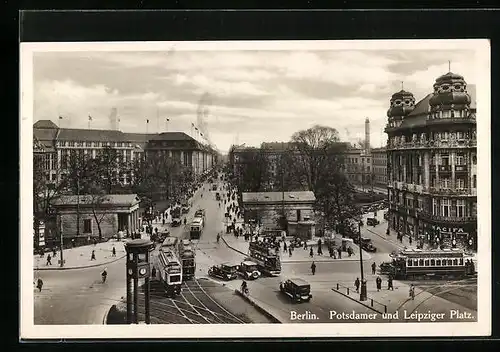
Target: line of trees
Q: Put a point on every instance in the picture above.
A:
(103, 175)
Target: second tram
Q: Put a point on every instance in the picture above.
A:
(266, 257)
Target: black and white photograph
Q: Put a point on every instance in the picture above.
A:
(283, 189)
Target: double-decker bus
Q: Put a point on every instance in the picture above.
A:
(196, 228)
(170, 271)
(187, 255)
(417, 263)
(266, 257)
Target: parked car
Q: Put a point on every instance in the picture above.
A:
(249, 270)
(367, 245)
(226, 271)
(297, 289)
(372, 222)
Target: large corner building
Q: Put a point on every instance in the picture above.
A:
(431, 164)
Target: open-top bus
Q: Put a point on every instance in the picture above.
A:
(187, 255)
(266, 257)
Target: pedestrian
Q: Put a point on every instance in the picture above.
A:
(305, 245)
(92, 256)
(313, 268)
(114, 251)
(339, 251)
(39, 284)
(320, 250)
(73, 242)
(389, 283)
(49, 258)
(153, 273)
(54, 252)
(284, 246)
(349, 251)
(374, 268)
(289, 251)
(356, 284)
(95, 242)
(379, 283)
(412, 292)
(311, 253)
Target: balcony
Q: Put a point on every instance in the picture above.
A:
(447, 219)
(427, 144)
(470, 192)
(451, 120)
(461, 168)
(444, 168)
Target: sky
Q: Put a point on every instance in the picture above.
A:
(240, 96)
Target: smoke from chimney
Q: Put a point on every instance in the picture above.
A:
(113, 119)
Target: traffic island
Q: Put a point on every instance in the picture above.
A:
(116, 315)
(354, 296)
(257, 306)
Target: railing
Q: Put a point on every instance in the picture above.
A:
(427, 216)
(460, 168)
(453, 192)
(351, 293)
(446, 120)
(451, 143)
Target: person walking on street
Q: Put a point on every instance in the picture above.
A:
(320, 250)
(356, 284)
(218, 237)
(49, 259)
(379, 283)
(92, 256)
(39, 284)
(114, 251)
(313, 268)
(284, 246)
(311, 253)
(305, 245)
(340, 253)
(389, 283)
(412, 292)
(289, 251)
(374, 268)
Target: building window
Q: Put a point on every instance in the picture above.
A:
(87, 226)
(420, 203)
(460, 208)
(474, 181)
(435, 207)
(460, 183)
(71, 144)
(445, 183)
(445, 159)
(298, 215)
(445, 207)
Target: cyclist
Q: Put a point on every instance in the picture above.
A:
(104, 275)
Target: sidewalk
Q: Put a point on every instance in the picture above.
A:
(79, 257)
(299, 255)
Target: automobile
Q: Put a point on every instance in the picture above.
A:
(249, 270)
(367, 245)
(372, 222)
(297, 289)
(386, 268)
(225, 271)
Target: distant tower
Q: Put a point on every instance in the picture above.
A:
(113, 119)
(367, 135)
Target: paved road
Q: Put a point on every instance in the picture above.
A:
(77, 296)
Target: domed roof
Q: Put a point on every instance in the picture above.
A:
(448, 77)
(401, 94)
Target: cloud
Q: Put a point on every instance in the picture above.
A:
(252, 95)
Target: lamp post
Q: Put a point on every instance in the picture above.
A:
(362, 295)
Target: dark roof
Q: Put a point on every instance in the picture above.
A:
(137, 137)
(110, 199)
(172, 136)
(44, 124)
(45, 136)
(77, 134)
(422, 107)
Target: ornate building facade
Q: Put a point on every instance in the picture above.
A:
(431, 164)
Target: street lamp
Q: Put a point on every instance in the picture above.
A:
(363, 294)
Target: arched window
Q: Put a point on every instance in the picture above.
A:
(420, 262)
(438, 262)
(426, 262)
(433, 262)
(455, 262)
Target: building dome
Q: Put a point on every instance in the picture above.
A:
(450, 89)
(402, 103)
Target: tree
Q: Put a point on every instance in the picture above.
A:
(315, 148)
(107, 166)
(252, 170)
(97, 200)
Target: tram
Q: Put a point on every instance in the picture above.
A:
(187, 255)
(196, 228)
(170, 243)
(266, 257)
(170, 272)
(417, 263)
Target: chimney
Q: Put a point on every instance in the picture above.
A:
(367, 135)
(113, 119)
